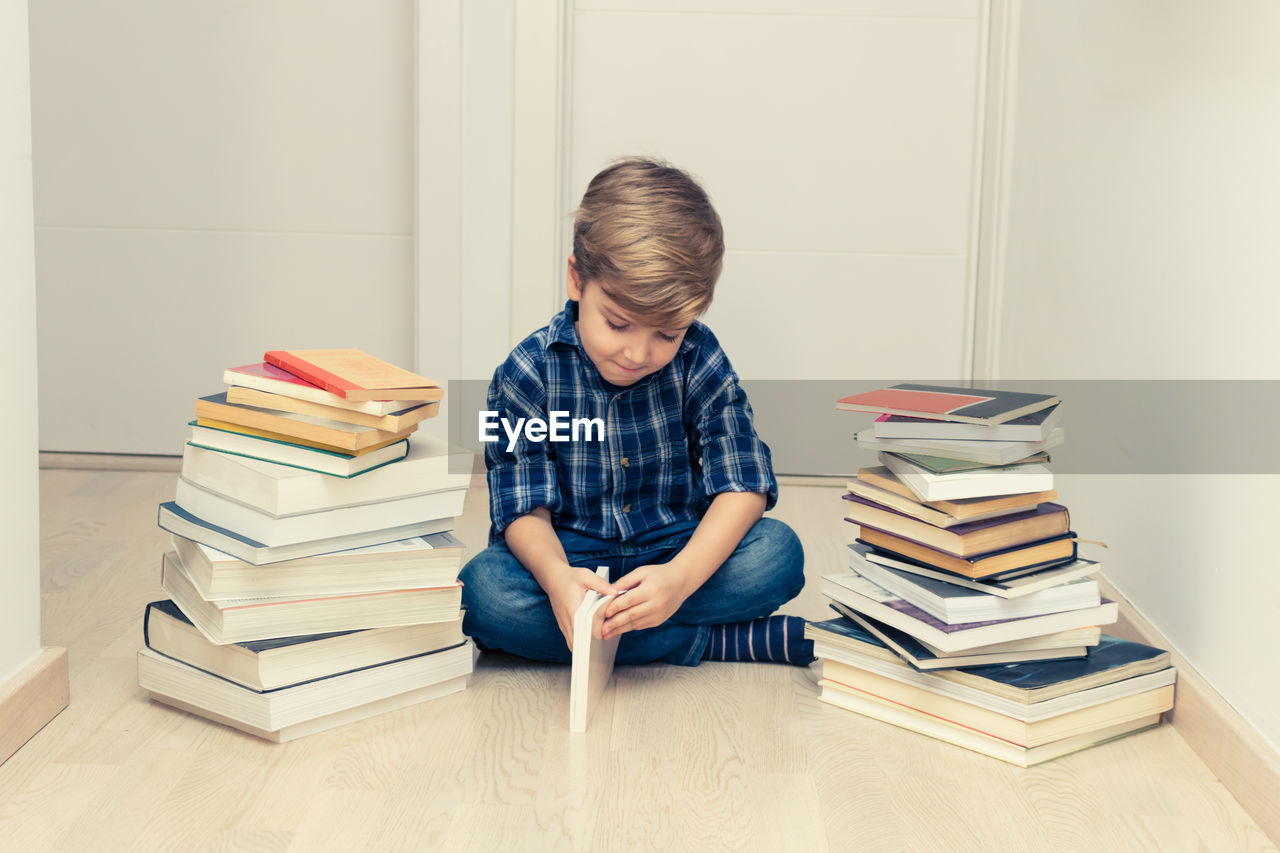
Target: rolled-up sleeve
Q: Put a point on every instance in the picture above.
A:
(733, 457)
(523, 478)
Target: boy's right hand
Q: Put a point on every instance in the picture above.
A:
(567, 591)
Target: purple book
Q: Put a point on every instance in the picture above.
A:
(919, 615)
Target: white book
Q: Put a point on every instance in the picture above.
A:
(827, 651)
(432, 560)
(990, 452)
(1033, 427)
(176, 520)
(323, 723)
(243, 620)
(1068, 640)
(263, 377)
(592, 666)
(979, 483)
(288, 706)
(1015, 587)
(867, 597)
(344, 521)
(281, 490)
(1072, 643)
(829, 642)
(956, 604)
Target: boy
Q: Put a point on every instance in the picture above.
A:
(671, 495)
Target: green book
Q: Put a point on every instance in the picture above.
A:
(941, 465)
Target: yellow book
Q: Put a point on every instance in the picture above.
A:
(225, 426)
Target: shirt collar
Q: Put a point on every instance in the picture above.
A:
(561, 330)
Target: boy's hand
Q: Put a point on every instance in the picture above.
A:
(654, 592)
(567, 592)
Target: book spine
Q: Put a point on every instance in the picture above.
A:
(316, 376)
(146, 623)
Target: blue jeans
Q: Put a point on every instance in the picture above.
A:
(508, 610)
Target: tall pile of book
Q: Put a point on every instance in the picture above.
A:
(966, 612)
(313, 580)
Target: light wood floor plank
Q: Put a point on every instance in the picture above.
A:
(721, 756)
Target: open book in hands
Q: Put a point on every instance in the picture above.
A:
(592, 657)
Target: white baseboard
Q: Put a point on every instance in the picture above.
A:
(109, 461)
(1247, 765)
(31, 698)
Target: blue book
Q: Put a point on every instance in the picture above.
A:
(1112, 659)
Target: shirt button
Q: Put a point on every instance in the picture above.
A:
(626, 463)
(626, 507)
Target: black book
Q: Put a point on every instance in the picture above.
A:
(265, 665)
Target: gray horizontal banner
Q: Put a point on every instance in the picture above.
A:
(1111, 426)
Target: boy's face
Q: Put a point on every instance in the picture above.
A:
(623, 349)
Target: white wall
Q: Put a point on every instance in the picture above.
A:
(213, 180)
(488, 60)
(19, 487)
(1142, 245)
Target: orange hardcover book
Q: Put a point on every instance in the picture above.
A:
(1046, 552)
(355, 375)
(337, 435)
(967, 538)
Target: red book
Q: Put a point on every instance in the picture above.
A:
(355, 375)
(948, 403)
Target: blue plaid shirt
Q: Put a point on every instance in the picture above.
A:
(672, 441)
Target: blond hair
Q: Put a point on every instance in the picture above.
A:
(647, 234)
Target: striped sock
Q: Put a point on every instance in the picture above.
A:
(779, 639)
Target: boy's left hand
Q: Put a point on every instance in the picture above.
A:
(653, 593)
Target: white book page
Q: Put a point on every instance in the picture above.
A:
(593, 657)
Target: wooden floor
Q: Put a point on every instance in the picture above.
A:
(722, 756)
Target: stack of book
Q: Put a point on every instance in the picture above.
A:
(966, 612)
(313, 579)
